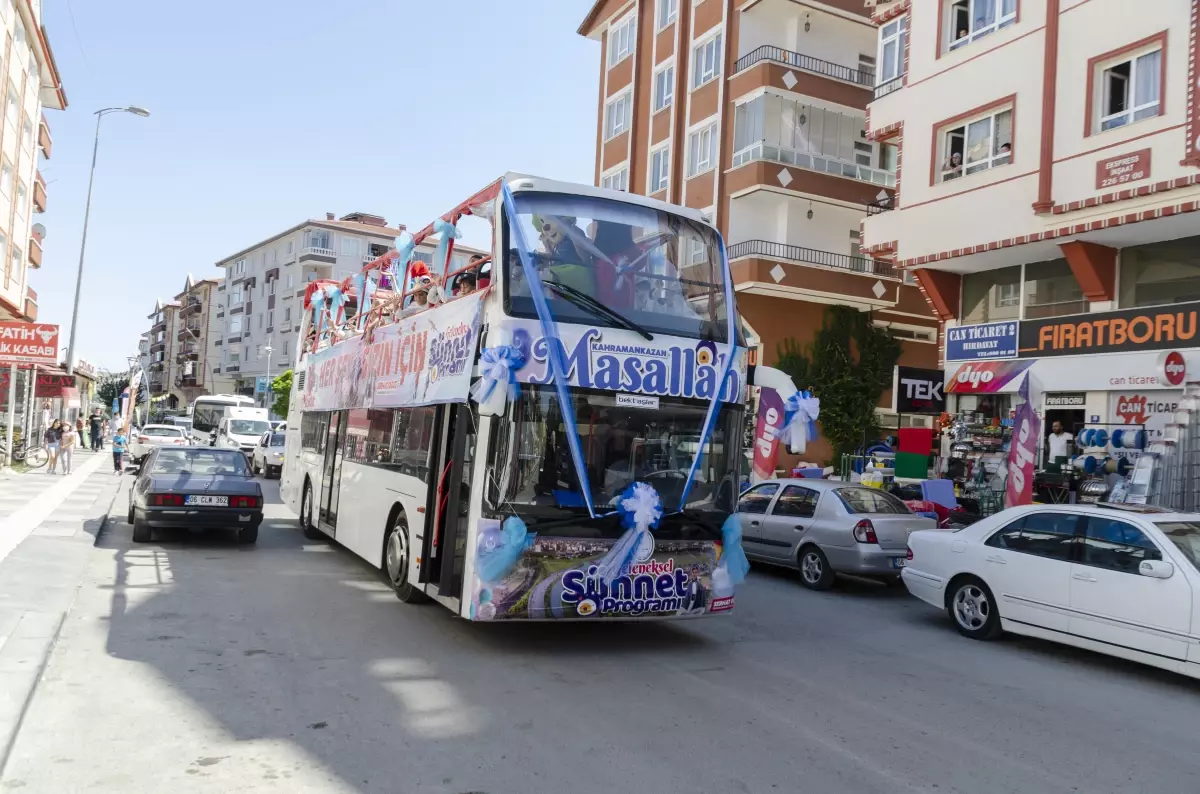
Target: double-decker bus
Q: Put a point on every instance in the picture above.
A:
(562, 441)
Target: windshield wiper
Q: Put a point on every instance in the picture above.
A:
(583, 300)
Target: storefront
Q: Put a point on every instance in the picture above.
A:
(1103, 376)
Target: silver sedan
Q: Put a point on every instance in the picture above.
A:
(825, 527)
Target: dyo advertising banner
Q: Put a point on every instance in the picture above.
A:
(1022, 452)
(766, 444)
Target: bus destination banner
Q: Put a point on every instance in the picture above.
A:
(618, 360)
(420, 360)
(558, 578)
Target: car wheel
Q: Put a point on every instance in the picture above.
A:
(306, 513)
(142, 533)
(247, 534)
(972, 607)
(396, 551)
(815, 573)
(131, 513)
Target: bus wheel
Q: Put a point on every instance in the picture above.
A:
(306, 514)
(396, 559)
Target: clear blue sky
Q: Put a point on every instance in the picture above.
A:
(268, 112)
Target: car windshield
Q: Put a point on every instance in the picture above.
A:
(535, 476)
(870, 500)
(199, 460)
(278, 439)
(657, 270)
(1186, 537)
(248, 427)
(162, 431)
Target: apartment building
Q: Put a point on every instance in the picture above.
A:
(159, 371)
(1050, 196)
(264, 289)
(32, 85)
(755, 114)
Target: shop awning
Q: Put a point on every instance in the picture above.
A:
(988, 377)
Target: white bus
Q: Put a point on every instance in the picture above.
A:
(597, 487)
(209, 410)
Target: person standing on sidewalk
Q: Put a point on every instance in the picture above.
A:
(96, 428)
(79, 432)
(52, 438)
(70, 440)
(118, 442)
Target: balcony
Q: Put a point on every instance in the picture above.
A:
(761, 150)
(45, 142)
(883, 89)
(157, 346)
(191, 306)
(39, 192)
(35, 253)
(808, 256)
(316, 254)
(232, 368)
(158, 327)
(188, 332)
(186, 381)
(880, 206)
(805, 63)
(187, 355)
(234, 338)
(31, 305)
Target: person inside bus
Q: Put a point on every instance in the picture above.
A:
(424, 290)
(564, 262)
(466, 284)
(615, 240)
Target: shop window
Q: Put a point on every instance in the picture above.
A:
(1052, 291)
(1158, 273)
(991, 295)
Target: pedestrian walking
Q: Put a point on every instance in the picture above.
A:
(52, 438)
(67, 445)
(81, 432)
(96, 428)
(118, 442)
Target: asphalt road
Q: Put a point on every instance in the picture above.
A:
(193, 664)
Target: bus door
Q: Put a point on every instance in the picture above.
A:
(331, 469)
(451, 497)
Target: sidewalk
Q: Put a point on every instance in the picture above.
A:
(45, 546)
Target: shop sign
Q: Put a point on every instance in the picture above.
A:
(1066, 400)
(1173, 368)
(918, 391)
(28, 343)
(988, 340)
(1154, 409)
(1116, 171)
(986, 377)
(52, 385)
(1157, 328)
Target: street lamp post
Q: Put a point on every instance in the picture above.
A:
(87, 212)
(268, 390)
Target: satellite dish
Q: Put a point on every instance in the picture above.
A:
(39, 231)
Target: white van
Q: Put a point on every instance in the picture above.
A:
(241, 428)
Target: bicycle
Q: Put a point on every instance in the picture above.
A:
(34, 457)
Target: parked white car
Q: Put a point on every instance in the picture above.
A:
(142, 442)
(267, 457)
(1113, 579)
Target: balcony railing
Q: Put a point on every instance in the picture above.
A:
(805, 62)
(813, 162)
(883, 89)
(233, 368)
(809, 256)
(315, 251)
(880, 205)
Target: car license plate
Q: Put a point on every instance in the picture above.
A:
(897, 562)
(206, 501)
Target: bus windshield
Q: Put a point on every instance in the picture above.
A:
(534, 475)
(656, 269)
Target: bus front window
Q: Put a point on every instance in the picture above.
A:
(658, 270)
(534, 474)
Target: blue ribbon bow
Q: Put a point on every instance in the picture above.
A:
(733, 566)
(447, 232)
(800, 412)
(499, 549)
(498, 365)
(640, 508)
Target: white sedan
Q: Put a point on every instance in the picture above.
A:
(1119, 580)
(142, 442)
(267, 456)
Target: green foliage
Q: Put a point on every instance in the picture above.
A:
(848, 366)
(281, 387)
(110, 389)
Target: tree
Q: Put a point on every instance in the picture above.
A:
(110, 389)
(848, 366)
(281, 387)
